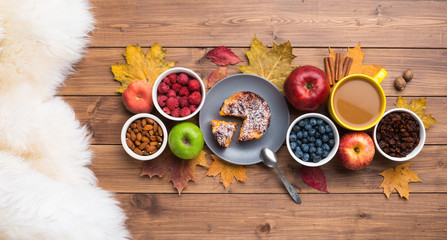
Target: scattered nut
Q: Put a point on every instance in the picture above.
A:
(400, 83)
(408, 75)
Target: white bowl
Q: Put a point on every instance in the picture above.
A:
(160, 79)
(124, 131)
(421, 135)
(333, 150)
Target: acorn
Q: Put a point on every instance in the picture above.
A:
(408, 75)
(400, 83)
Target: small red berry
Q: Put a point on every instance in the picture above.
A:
(183, 78)
(194, 85)
(172, 78)
(172, 103)
(162, 100)
(184, 91)
(185, 112)
(195, 98)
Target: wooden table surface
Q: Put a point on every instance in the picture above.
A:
(396, 34)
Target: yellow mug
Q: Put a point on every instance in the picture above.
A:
(375, 82)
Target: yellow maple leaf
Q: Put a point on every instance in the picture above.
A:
(141, 66)
(227, 171)
(398, 178)
(273, 65)
(417, 106)
(357, 62)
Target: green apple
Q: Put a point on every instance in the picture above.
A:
(185, 140)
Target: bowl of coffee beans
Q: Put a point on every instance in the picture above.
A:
(144, 136)
(399, 135)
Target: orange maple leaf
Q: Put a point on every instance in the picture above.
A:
(181, 170)
(357, 62)
(227, 171)
(398, 178)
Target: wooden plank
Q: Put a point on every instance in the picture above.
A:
(93, 76)
(117, 172)
(202, 23)
(105, 116)
(265, 216)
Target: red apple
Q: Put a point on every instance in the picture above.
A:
(356, 150)
(137, 97)
(306, 88)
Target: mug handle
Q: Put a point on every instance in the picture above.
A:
(380, 75)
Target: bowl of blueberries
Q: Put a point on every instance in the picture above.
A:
(312, 139)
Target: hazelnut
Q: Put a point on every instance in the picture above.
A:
(400, 83)
(408, 75)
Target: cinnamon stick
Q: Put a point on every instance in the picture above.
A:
(347, 66)
(328, 70)
(337, 59)
(332, 67)
(339, 66)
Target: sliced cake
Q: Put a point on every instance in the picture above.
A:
(223, 132)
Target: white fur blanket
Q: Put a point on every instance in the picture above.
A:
(46, 189)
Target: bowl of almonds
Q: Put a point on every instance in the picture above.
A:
(144, 136)
(399, 135)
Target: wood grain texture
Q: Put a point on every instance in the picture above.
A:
(275, 216)
(118, 172)
(105, 116)
(93, 76)
(337, 23)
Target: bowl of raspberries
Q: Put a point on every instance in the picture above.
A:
(178, 94)
(312, 139)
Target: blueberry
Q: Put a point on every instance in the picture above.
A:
(296, 128)
(305, 148)
(326, 147)
(312, 139)
(325, 154)
(320, 122)
(311, 144)
(328, 128)
(318, 142)
(319, 151)
(321, 129)
(305, 134)
(305, 140)
(299, 142)
(307, 127)
(312, 149)
(301, 123)
(292, 137)
(299, 154)
(313, 121)
(298, 148)
(293, 145)
(316, 159)
(331, 142)
(299, 134)
(325, 138)
(330, 134)
(312, 132)
(305, 157)
(317, 135)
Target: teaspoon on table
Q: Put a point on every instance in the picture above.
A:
(269, 159)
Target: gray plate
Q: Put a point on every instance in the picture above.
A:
(245, 153)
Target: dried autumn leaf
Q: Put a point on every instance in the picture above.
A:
(217, 75)
(181, 170)
(314, 177)
(223, 56)
(227, 171)
(273, 65)
(357, 62)
(140, 66)
(398, 178)
(418, 107)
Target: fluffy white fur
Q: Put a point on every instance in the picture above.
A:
(46, 189)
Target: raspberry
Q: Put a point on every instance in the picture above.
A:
(183, 101)
(172, 103)
(195, 98)
(172, 78)
(193, 108)
(166, 110)
(182, 78)
(163, 88)
(184, 91)
(185, 112)
(162, 100)
(167, 81)
(194, 85)
(175, 112)
(176, 87)
(171, 93)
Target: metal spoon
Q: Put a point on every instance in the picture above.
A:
(269, 159)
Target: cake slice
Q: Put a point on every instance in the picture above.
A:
(253, 109)
(223, 132)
